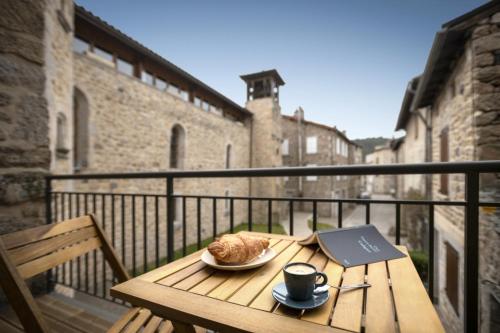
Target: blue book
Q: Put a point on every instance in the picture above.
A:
(354, 246)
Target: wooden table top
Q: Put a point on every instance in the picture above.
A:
(189, 291)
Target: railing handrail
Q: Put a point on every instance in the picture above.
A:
(347, 170)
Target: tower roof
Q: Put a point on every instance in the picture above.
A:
(272, 72)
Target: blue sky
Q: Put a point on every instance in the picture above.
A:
(346, 63)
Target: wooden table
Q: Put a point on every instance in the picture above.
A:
(189, 292)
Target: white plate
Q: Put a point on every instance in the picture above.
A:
(267, 255)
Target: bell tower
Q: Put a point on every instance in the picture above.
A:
(263, 102)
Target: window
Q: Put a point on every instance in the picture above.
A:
(205, 106)
(160, 84)
(177, 147)
(311, 145)
(444, 154)
(173, 89)
(61, 138)
(103, 54)
(124, 67)
(147, 77)
(285, 179)
(452, 261)
(184, 94)
(80, 46)
(80, 130)
(197, 102)
(228, 157)
(284, 147)
(311, 178)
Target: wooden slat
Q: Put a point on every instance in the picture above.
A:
(152, 325)
(380, 317)
(138, 321)
(124, 320)
(208, 312)
(24, 237)
(43, 264)
(76, 318)
(194, 279)
(322, 314)
(211, 283)
(349, 307)
(265, 301)
(406, 285)
(109, 254)
(270, 236)
(21, 255)
(70, 315)
(6, 327)
(164, 271)
(238, 279)
(219, 277)
(166, 327)
(247, 294)
(182, 274)
(19, 296)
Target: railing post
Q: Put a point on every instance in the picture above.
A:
(170, 218)
(430, 267)
(48, 220)
(398, 224)
(471, 253)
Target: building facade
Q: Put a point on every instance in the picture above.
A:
(381, 184)
(460, 108)
(306, 143)
(79, 96)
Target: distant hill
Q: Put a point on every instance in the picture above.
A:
(368, 144)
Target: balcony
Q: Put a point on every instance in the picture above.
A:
(149, 229)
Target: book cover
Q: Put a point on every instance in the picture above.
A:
(354, 246)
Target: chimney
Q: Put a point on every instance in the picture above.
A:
(299, 113)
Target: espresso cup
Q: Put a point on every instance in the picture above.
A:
(300, 280)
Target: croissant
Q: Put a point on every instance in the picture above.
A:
(237, 248)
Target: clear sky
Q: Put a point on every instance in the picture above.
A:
(346, 62)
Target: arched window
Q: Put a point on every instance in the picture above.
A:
(228, 157)
(80, 130)
(61, 136)
(177, 147)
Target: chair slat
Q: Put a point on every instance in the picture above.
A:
(47, 262)
(24, 237)
(21, 255)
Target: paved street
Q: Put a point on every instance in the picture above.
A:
(382, 216)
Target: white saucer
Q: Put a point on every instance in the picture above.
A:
(267, 255)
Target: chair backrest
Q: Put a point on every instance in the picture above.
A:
(26, 253)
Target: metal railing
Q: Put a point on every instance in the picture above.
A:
(160, 209)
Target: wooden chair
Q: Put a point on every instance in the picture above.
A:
(27, 253)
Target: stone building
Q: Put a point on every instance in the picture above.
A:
(458, 97)
(79, 96)
(306, 143)
(381, 184)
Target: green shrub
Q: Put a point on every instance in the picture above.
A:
(421, 262)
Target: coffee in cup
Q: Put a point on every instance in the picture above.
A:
(300, 280)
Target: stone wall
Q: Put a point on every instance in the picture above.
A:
(266, 153)
(472, 116)
(130, 126)
(486, 90)
(31, 33)
(327, 154)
